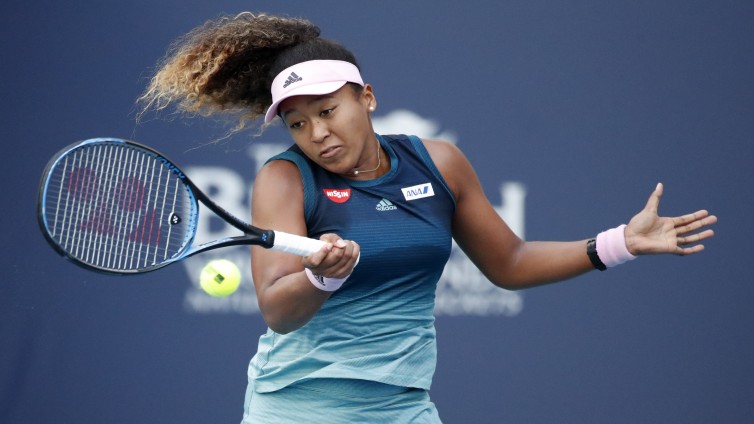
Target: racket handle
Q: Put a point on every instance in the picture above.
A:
(297, 245)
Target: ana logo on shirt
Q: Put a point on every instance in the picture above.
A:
(418, 191)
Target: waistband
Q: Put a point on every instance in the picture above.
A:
(351, 387)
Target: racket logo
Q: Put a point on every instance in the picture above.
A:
(112, 208)
(337, 196)
(174, 219)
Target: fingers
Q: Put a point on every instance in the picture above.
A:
(679, 235)
(690, 250)
(701, 220)
(653, 203)
(693, 221)
(336, 259)
(316, 258)
(342, 259)
(696, 238)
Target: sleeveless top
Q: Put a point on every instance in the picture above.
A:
(379, 326)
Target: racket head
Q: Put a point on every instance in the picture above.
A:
(116, 206)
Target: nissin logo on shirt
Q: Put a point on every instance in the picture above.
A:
(418, 191)
(337, 196)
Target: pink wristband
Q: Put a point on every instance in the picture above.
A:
(611, 247)
(325, 283)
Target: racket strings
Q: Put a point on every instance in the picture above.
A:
(116, 207)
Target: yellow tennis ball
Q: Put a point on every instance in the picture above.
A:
(220, 278)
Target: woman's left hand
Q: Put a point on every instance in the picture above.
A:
(648, 233)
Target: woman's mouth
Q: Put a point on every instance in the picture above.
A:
(329, 152)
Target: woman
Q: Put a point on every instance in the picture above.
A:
(350, 343)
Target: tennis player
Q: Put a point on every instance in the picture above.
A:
(350, 343)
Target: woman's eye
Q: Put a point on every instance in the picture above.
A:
(326, 112)
(295, 125)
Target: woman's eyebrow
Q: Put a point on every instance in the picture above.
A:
(314, 99)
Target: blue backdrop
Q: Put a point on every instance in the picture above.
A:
(570, 111)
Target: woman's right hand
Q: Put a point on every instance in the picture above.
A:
(336, 259)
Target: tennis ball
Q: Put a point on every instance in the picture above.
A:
(220, 278)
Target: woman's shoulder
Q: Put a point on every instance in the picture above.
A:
(443, 153)
(276, 175)
(450, 161)
(437, 149)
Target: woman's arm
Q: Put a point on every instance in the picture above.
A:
(287, 297)
(512, 263)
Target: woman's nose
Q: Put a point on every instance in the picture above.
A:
(320, 131)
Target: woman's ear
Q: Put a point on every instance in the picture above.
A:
(369, 98)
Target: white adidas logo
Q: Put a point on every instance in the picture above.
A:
(385, 205)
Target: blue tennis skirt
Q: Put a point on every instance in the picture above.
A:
(336, 401)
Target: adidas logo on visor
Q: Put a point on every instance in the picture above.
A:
(291, 79)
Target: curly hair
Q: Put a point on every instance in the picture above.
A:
(227, 65)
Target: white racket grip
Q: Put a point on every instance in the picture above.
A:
(297, 245)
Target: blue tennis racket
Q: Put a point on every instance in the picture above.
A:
(120, 207)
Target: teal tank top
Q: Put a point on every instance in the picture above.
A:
(379, 326)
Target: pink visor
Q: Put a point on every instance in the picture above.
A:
(314, 77)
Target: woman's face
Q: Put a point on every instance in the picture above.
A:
(334, 130)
